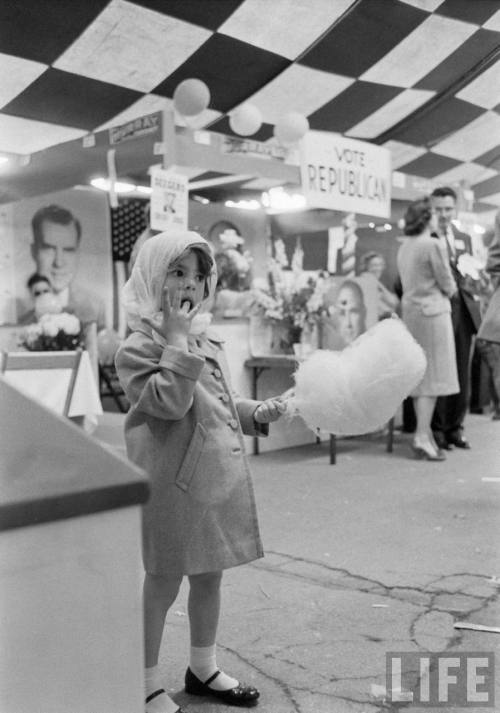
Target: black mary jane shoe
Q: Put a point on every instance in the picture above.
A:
(240, 695)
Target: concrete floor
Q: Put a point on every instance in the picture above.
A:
(376, 554)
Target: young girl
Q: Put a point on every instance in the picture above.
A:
(185, 428)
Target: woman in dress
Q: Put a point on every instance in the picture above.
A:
(427, 285)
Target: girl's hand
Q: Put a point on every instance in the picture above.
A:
(269, 411)
(176, 321)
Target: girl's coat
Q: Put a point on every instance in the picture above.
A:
(184, 429)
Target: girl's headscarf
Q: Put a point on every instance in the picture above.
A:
(142, 293)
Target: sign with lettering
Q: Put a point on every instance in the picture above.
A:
(339, 173)
(169, 200)
(133, 129)
(249, 147)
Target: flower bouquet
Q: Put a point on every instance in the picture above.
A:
(53, 332)
(474, 277)
(291, 299)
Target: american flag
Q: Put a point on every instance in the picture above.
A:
(128, 221)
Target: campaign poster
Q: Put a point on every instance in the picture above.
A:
(65, 235)
(351, 306)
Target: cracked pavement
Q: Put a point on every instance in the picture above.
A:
(379, 553)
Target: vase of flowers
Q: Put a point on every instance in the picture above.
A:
(53, 332)
(288, 302)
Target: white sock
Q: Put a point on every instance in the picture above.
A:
(161, 703)
(202, 662)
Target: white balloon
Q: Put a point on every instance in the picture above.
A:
(246, 120)
(291, 128)
(191, 97)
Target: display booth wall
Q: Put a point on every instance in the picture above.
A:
(253, 226)
(312, 228)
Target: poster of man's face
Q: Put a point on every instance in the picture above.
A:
(56, 244)
(351, 306)
(65, 237)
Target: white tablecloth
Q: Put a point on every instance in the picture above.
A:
(50, 387)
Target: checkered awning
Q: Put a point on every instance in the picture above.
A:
(421, 77)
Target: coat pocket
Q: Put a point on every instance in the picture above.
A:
(193, 453)
(432, 309)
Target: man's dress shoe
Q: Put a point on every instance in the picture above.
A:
(441, 441)
(458, 442)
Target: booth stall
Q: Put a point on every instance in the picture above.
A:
(247, 243)
(304, 260)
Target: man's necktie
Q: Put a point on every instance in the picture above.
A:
(449, 246)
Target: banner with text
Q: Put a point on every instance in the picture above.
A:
(345, 174)
(169, 200)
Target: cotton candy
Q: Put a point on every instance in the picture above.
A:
(357, 390)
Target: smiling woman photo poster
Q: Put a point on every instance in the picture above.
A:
(66, 237)
(352, 308)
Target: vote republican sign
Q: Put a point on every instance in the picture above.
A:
(345, 174)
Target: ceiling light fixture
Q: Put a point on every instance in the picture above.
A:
(104, 184)
(277, 200)
(244, 205)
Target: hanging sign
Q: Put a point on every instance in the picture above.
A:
(169, 200)
(249, 147)
(133, 129)
(340, 173)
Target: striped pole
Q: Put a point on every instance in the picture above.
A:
(349, 248)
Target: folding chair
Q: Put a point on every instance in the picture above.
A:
(31, 363)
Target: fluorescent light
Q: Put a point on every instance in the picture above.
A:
(4, 159)
(200, 199)
(120, 187)
(144, 189)
(278, 200)
(245, 205)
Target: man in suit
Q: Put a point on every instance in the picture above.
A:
(55, 250)
(488, 336)
(450, 411)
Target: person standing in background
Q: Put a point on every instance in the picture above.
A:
(450, 411)
(428, 285)
(488, 336)
(38, 286)
(373, 266)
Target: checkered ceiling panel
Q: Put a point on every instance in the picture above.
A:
(421, 77)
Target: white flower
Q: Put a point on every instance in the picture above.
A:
(68, 323)
(280, 253)
(469, 266)
(51, 324)
(230, 238)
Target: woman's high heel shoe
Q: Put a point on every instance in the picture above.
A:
(427, 452)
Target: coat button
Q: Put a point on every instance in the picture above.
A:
(217, 373)
(233, 423)
(224, 398)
